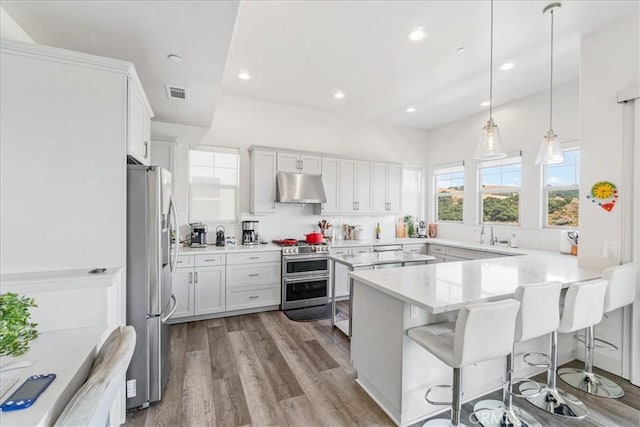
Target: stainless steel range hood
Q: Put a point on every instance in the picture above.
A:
(299, 188)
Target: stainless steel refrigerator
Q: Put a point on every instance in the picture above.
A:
(151, 262)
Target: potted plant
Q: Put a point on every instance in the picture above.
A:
(16, 328)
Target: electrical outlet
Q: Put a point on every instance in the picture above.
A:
(131, 388)
(415, 311)
(610, 248)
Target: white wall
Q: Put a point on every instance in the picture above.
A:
(242, 122)
(522, 124)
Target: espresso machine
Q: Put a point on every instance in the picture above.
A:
(250, 234)
(422, 229)
(198, 235)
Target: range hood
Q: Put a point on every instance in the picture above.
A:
(299, 188)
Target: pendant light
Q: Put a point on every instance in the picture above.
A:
(490, 146)
(550, 150)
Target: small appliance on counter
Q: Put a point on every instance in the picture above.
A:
(250, 234)
(423, 229)
(220, 239)
(198, 235)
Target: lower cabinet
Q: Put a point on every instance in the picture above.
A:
(199, 291)
(341, 272)
(450, 253)
(253, 282)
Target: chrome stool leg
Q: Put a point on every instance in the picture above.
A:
(456, 404)
(585, 379)
(551, 399)
(494, 413)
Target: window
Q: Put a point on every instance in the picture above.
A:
(412, 191)
(449, 190)
(213, 185)
(561, 192)
(500, 182)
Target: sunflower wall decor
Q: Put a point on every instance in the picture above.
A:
(605, 194)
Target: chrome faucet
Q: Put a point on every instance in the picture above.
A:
(492, 240)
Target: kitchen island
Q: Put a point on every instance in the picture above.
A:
(394, 370)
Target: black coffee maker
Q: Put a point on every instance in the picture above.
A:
(220, 240)
(250, 233)
(198, 235)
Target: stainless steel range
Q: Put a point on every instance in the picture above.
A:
(305, 275)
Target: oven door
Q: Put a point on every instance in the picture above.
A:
(305, 292)
(305, 266)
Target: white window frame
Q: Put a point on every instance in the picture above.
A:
(514, 157)
(568, 146)
(446, 169)
(216, 149)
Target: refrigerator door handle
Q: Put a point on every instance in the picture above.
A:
(174, 210)
(173, 310)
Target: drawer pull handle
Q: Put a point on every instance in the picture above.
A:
(208, 260)
(254, 297)
(254, 275)
(254, 257)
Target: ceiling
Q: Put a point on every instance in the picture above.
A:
(145, 33)
(300, 52)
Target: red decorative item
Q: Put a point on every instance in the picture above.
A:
(314, 237)
(286, 242)
(607, 206)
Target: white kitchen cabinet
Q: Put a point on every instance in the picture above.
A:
(299, 163)
(209, 290)
(342, 271)
(355, 186)
(263, 181)
(364, 172)
(386, 188)
(331, 183)
(253, 280)
(415, 248)
(163, 154)
(445, 253)
(182, 288)
(139, 126)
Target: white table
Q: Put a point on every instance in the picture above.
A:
(367, 260)
(69, 354)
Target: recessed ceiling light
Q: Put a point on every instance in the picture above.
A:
(338, 94)
(461, 49)
(411, 109)
(507, 66)
(243, 75)
(485, 104)
(175, 58)
(417, 34)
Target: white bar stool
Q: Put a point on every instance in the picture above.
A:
(620, 292)
(582, 308)
(482, 332)
(539, 315)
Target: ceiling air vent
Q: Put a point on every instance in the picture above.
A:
(174, 92)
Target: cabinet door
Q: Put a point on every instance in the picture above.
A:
(330, 180)
(311, 164)
(346, 196)
(209, 290)
(379, 188)
(394, 188)
(363, 186)
(163, 154)
(136, 128)
(342, 280)
(288, 162)
(263, 182)
(182, 287)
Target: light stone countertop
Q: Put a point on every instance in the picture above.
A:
(445, 287)
(380, 258)
(239, 248)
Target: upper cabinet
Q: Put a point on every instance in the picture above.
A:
(263, 181)
(331, 183)
(386, 189)
(299, 163)
(139, 125)
(354, 193)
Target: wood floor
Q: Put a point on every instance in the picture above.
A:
(263, 369)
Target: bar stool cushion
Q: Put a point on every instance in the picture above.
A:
(482, 332)
(539, 310)
(583, 305)
(622, 286)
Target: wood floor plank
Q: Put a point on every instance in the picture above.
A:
(197, 401)
(283, 381)
(212, 323)
(234, 323)
(298, 411)
(196, 337)
(230, 404)
(261, 400)
(223, 363)
(320, 357)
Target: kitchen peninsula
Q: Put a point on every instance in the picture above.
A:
(394, 370)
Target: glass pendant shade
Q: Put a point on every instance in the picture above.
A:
(550, 150)
(490, 146)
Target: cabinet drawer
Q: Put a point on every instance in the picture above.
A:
(418, 249)
(341, 251)
(205, 260)
(362, 250)
(185, 261)
(253, 257)
(437, 249)
(242, 298)
(242, 275)
(469, 253)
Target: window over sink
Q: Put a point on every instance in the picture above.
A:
(213, 184)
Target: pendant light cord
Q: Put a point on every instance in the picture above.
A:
(491, 69)
(551, 79)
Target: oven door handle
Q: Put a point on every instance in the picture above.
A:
(306, 279)
(304, 258)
